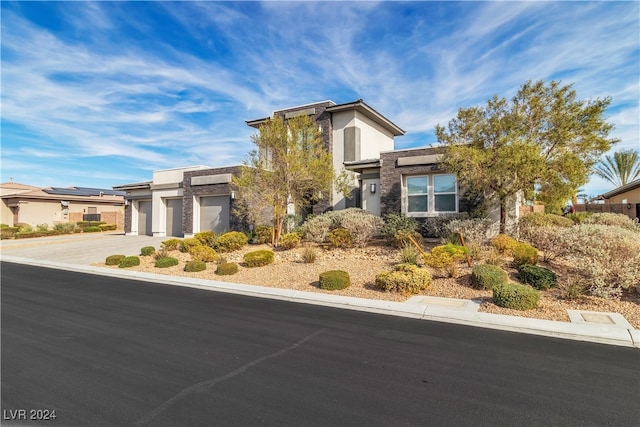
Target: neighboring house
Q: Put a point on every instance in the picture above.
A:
(624, 199)
(181, 202)
(34, 206)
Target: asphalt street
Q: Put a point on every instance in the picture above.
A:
(105, 351)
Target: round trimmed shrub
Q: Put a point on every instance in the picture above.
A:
(394, 223)
(129, 261)
(206, 238)
(340, 238)
(231, 241)
(226, 269)
(405, 278)
(165, 262)
(503, 243)
(92, 229)
(517, 297)
(188, 243)
(290, 240)
(334, 280)
(258, 258)
(488, 276)
(203, 253)
(539, 277)
(195, 266)
(524, 253)
(262, 234)
(114, 259)
(171, 244)
(540, 219)
(147, 251)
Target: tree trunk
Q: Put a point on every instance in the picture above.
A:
(503, 215)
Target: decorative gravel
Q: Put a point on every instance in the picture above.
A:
(363, 264)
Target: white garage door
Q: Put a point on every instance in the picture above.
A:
(144, 217)
(214, 213)
(174, 217)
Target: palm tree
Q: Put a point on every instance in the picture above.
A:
(620, 169)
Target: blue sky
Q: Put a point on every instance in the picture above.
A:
(101, 94)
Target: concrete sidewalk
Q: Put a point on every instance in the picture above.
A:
(83, 250)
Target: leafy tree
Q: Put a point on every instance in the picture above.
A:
(620, 169)
(544, 138)
(288, 167)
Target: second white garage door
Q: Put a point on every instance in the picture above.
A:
(214, 213)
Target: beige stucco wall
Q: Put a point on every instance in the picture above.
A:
(50, 212)
(631, 196)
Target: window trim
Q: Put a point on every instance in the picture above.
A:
(431, 212)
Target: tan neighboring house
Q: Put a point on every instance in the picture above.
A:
(34, 206)
(628, 196)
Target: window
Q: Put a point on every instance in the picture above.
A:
(430, 195)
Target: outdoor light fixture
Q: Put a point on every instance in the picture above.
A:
(233, 195)
(372, 188)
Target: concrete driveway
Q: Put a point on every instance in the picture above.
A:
(84, 249)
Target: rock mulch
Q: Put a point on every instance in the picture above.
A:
(363, 264)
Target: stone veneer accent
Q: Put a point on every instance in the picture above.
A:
(221, 188)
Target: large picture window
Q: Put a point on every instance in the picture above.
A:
(430, 194)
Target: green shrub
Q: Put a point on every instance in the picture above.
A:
(203, 253)
(96, 223)
(340, 238)
(3, 226)
(147, 251)
(258, 258)
(188, 243)
(206, 238)
(405, 279)
(514, 296)
(171, 244)
(361, 224)
(231, 241)
(393, 223)
(166, 262)
(65, 227)
(539, 219)
(6, 233)
(578, 217)
(262, 234)
(290, 240)
(503, 243)
(334, 280)
(524, 253)
(92, 229)
(409, 255)
(108, 227)
(476, 231)
(114, 259)
(42, 227)
(446, 257)
(24, 227)
(195, 266)
(405, 237)
(613, 219)
(488, 276)
(83, 224)
(309, 255)
(227, 269)
(129, 261)
(538, 277)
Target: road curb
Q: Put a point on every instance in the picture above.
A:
(603, 334)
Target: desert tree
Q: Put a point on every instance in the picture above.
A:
(543, 138)
(288, 167)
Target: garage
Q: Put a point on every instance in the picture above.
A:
(144, 217)
(214, 213)
(174, 217)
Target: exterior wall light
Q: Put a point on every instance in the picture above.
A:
(233, 195)
(372, 188)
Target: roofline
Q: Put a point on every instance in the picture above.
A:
(54, 197)
(133, 186)
(623, 188)
(370, 112)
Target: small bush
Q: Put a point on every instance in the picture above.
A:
(42, 227)
(538, 277)
(195, 266)
(206, 238)
(203, 253)
(446, 257)
(476, 231)
(361, 224)
(406, 237)
(578, 217)
(166, 262)
(488, 276)
(340, 238)
(147, 251)
(550, 240)
(613, 219)
(65, 227)
(227, 269)
(263, 234)
(129, 261)
(309, 255)
(524, 253)
(405, 279)
(409, 255)
(92, 229)
(108, 227)
(24, 228)
(572, 290)
(258, 258)
(290, 240)
(231, 241)
(114, 259)
(514, 296)
(394, 223)
(188, 243)
(171, 244)
(437, 226)
(539, 219)
(334, 280)
(503, 243)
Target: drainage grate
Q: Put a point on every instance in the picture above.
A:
(597, 318)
